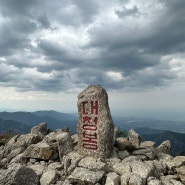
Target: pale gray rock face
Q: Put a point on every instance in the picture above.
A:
(40, 151)
(95, 125)
(176, 162)
(15, 153)
(123, 154)
(17, 175)
(38, 168)
(65, 144)
(112, 179)
(146, 144)
(21, 141)
(154, 181)
(84, 176)
(165, 147)
(136, 180)
(181, 173)
(92, 163)
(48, 178)
(134, 138)
(150, 152)
(40, 130)
(70, 162)
(169, 180)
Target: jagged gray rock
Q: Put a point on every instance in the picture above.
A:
(40, 130)
(84, 176)
(18, 174)
(165, 147)
(65, 144)
(181, 173)
(40, 151)
(112, 179)
(92, 163)
(134, 138)
(49, 177)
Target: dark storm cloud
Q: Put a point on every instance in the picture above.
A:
(127, 12)
(61, 58)
(168, 36)
(121, 47)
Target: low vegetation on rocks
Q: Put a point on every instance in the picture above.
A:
(45, 157)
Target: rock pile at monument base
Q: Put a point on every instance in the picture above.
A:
(45, 157)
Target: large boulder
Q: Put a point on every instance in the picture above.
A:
(18, 175)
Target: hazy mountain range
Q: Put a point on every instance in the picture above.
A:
(54, 120)
(150, 129)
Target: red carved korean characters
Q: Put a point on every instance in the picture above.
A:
(90, 121)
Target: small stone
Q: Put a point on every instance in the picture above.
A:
(38, 168)
(48, 177)
(112, 179)
(123, 154)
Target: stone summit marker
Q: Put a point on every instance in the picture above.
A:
(95, 125)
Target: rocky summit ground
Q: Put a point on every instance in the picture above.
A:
(45, 157)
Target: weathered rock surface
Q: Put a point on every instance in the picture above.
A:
(84, 176)
(18, 174)
(95, 124)
(40, 151)
(65, 144)
(40, 130)
(54, 160)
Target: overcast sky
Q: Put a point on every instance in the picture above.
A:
(51, 50)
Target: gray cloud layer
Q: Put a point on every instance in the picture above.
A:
(58, 46)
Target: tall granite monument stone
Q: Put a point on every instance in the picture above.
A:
(95, 125)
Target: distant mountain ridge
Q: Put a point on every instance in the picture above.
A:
(129, 123)
(54, 119)
(13, 126)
